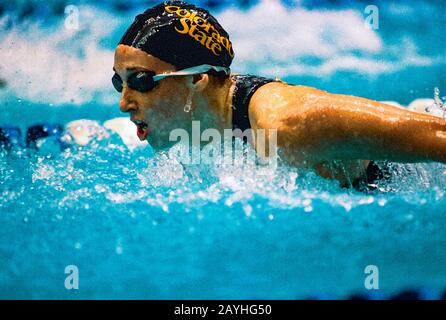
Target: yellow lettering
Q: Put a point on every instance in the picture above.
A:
(197, 21)
(207, 26)
(210, 42)
(216, 48)
(225, 42)
(183, 13)
(183, 22)
(201, 37)
(216, 36)
(171, 9)
(192, 17)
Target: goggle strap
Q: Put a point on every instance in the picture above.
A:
(193, 70)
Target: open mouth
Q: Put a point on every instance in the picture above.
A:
(142, 129)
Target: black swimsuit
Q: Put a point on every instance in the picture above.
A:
(376, 171)
(245, 87)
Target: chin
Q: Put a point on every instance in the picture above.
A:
(160, 143)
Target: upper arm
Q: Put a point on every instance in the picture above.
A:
(315, 125)
(349, 127)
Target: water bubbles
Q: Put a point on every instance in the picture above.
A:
(119, 249)
(438, 108)
(248, 210)
(366, 200)
(307, 203)
(290, 184)
(100, 188)
(43, 172)
(162, 170)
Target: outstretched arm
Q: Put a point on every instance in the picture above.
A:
(323, 126)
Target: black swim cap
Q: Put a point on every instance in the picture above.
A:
(181, 34)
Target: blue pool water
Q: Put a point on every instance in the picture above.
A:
(138, 224)
(145, 227)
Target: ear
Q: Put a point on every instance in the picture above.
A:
(199, 82)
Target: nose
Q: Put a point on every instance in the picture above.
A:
(126, 103)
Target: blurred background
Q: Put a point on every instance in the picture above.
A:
(58, 55)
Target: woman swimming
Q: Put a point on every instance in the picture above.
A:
(176, 54)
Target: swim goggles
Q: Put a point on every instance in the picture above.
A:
(144, 81)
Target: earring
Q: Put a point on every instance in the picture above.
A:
(188, 105)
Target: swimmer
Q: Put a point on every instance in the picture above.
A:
(173, 65)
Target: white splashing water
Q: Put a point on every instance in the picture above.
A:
(59, 65)
(56, 65)
(438, 108)
(274, 40)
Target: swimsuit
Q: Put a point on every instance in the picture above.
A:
(245, 87)
(375, 172)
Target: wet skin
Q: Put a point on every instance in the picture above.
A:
(162, 108)
(314, 128)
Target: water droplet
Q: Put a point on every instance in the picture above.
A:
(248, 210)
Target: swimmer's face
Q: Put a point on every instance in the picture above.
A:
(158, 111)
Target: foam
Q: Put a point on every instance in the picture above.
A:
(59, 65)
(270, 39)
(127, 131)
(420, 105)
(338, 38)
(82, 132)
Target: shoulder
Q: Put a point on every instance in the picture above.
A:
(275, 102)
(279, 92)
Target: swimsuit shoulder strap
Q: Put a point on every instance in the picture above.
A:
(245, 87)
